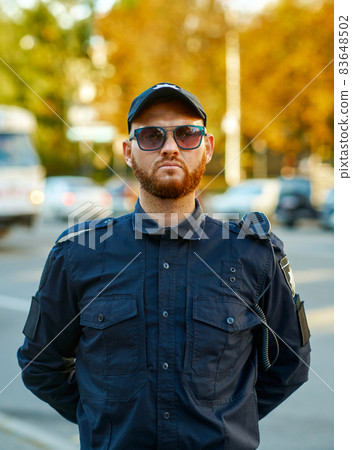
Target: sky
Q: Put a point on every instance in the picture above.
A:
(242, 5)
(81, 11)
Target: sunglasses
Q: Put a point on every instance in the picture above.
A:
(187, 137)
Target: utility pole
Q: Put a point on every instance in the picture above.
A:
(232, 120)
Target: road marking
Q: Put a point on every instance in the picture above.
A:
(321, 320)
(24, 275)
(14, 303)
(36, 435)
(313, 275)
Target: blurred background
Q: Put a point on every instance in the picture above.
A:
(68, 73)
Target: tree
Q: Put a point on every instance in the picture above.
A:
(282, 51)
(149, 42)
(183, 42)
(38, 49)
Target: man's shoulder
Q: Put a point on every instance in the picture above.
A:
(253, 226)
(219, 222)
(277, 243)
(98, 226)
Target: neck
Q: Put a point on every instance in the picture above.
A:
(167, 212)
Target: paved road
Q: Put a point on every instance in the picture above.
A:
(22, 256)
(304, 421)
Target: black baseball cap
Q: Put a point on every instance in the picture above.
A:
(164, 90)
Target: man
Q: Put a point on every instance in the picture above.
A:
(172, 331)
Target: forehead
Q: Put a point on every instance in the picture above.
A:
(174, 112)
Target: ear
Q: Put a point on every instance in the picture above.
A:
(127, 151)
(209, 146)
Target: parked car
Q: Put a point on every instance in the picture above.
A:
(326, 217)
(77, 195)
(256, 194)
(124, 194)
(294, 201)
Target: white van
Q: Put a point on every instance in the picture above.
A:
(21, 173)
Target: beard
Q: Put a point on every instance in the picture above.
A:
(171, 188)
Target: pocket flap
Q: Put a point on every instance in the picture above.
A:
(229, 315)
(104, 312)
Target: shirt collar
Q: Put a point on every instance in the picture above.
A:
(191, 228)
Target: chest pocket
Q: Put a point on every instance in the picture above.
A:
(222, 332)
(109, 342)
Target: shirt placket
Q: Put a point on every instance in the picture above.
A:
(167, 430)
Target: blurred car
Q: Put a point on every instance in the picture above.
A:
(326, 216)
(124, 194)
(294, 201)
(77, 195)
(256, 194)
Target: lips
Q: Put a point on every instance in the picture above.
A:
(170, 164)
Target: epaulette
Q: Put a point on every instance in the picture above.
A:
(254, 225)
(83, 227)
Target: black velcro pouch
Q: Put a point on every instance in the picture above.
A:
(32, 321)
(303, 323)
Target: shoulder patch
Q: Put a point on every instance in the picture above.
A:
(286, 268)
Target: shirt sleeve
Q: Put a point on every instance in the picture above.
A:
(47, 357)
(285, 316)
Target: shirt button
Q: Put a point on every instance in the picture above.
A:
(166, 265)
(166, 415)
(165, 314)
(165, 366)
(230, 320)
(101, 317)
(232, 279)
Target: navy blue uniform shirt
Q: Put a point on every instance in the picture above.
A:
(148, 340)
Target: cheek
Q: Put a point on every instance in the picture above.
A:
(144, 160)
(193, 160)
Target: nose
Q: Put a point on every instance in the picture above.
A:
(170, 146)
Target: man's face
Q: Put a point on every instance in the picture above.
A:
(169, 172)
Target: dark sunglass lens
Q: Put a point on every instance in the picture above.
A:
(150, 138)
(188, 137)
